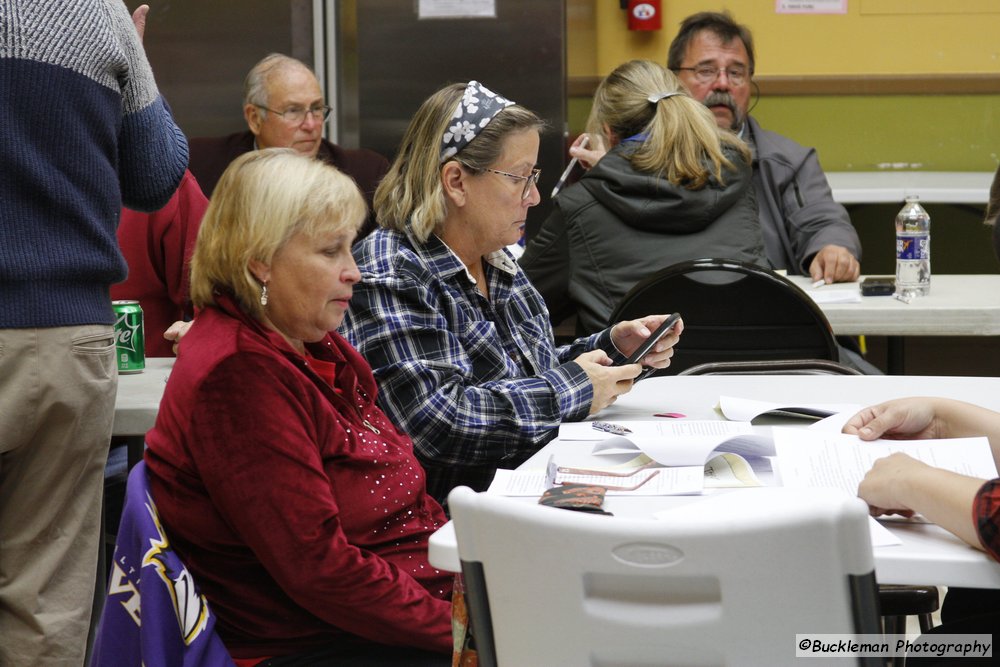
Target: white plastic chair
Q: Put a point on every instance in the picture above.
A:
(727, 580)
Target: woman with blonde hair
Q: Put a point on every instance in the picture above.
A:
(672, 187)
(293, 500)
(460, 341)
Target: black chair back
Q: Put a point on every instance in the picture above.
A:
(732, 311)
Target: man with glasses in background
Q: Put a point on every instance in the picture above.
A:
(284, 107)
(805, 230)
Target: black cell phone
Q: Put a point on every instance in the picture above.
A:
(878, 286)
(648, 344)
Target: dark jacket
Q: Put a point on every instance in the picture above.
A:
(797, 212)
(617, 225)
(211, 155)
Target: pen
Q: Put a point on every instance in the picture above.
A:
(569, 168)
(608, 427)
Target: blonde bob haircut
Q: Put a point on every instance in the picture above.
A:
(411, 196)
(262, 200)
(682, 142)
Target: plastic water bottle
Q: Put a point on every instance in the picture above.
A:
(913, 250)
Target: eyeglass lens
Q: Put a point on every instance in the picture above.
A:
(709, 74)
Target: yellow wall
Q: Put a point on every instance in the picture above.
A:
(873, 37)
(851, 132)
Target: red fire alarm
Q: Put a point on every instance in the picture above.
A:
(644, 15)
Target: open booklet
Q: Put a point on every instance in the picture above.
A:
(810, 458)
(653, 458)
(634, 478)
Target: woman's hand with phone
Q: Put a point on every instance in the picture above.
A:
(648, 340)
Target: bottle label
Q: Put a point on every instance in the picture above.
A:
(915, 247)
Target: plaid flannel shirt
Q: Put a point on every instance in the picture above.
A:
(986, 513)
(477, 383)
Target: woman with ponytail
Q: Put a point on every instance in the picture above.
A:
(672, 187)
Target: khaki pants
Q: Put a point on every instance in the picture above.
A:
(57, 400)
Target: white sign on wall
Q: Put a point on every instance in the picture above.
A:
(456, 9)
(810, 6)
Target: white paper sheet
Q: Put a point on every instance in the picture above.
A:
(830, 294)
(677, 428)
(691, 442)
(808, 458)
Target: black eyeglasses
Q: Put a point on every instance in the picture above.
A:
(296, 115)
(709, 73)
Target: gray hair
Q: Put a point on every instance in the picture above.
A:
(255, 84)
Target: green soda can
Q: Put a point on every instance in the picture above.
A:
(130, 345)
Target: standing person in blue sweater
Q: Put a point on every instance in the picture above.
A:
(85, 130)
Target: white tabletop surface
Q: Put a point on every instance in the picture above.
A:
(927, 555)
(935, 187)
(138, 398)
(958, 305)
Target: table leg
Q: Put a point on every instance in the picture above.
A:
(136, 447)
(895, 363)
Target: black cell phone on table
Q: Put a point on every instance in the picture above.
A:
(647, 345)
(878, 286)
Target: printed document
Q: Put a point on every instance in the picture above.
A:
(807, 458)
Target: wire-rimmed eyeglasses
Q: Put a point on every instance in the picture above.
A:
(296, 115)
(709, 73)
(531, 179)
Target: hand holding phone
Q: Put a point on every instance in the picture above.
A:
(647, 345)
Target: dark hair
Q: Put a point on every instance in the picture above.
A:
(722, 24)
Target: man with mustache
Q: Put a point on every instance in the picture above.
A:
(805, 230)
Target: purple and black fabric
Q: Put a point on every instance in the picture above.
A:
(154, 614)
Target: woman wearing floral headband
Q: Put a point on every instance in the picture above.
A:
(673, 187)
(460, 341)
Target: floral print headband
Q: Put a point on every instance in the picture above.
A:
(475, 110)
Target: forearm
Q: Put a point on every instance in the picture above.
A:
(152, 150)
(815, 219)
(598, 341)
(944, 498)
(959, 419)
